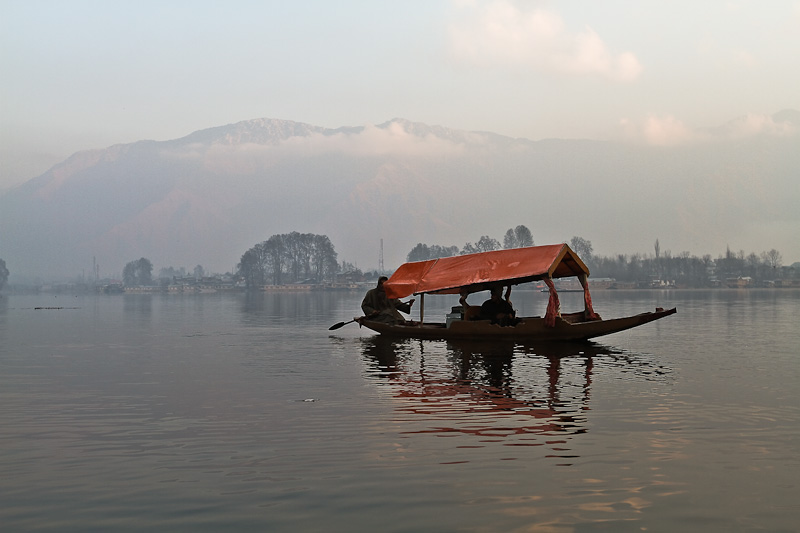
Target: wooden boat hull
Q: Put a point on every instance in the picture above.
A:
(567, 328)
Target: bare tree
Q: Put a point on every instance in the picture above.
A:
(139, 272)
(582, 247)
(3, 274)
(423, 252)
(289, 257)
(252, 267)
(484, 244)
(324, 259)
(518, 237)
(773, 258)
(420, 252)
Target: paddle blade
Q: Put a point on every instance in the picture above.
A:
(340, 324)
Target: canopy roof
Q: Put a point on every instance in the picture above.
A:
(477, 272)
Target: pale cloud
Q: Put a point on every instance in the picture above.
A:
(746, 59)
(655, 130)
(372, 140)
(667, 130)
(498, 32)
(757, 124)
(394, 140)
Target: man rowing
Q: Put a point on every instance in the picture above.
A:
(380, 308)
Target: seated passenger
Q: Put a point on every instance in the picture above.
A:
(499, 310)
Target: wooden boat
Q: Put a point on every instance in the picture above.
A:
(483, 271)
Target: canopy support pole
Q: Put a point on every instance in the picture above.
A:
(421, 309)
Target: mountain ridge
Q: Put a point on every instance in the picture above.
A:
(209, 196)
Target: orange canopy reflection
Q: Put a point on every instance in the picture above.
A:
(474, 390)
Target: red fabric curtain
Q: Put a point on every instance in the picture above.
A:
(587, 299)
(553, 305)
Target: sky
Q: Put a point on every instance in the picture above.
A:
(84, 74)
(87, 74)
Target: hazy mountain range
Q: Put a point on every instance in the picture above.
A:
(208, 197)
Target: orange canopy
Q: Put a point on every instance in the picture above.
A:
(477, 272)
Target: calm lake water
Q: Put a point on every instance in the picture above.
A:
(219, 412)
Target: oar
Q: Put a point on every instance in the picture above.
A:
(340, 324)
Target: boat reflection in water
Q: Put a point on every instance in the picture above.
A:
(508, 393)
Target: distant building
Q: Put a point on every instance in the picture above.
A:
(742, 282)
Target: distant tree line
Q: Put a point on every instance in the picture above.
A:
(689, 270)
(281, 259)
(306, 257)
(682, 269)
(518, 237)
(289, 258)
(169, 273)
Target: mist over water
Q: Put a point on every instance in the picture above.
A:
(243, 412)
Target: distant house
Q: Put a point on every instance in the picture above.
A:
(572, 284)
(662, 284)
(742, 282)
(144, 289)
